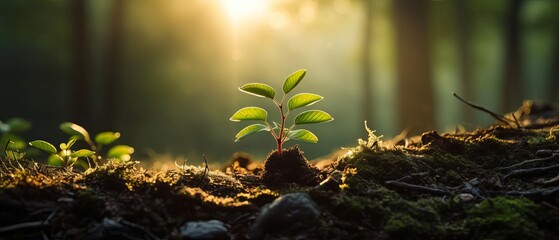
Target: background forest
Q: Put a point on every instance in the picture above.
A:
(165, 73)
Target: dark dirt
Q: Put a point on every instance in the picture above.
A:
(494, 183)
(289, 168)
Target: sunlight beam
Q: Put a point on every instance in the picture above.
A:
(242, 9)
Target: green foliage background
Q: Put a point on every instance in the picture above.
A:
(177, 79)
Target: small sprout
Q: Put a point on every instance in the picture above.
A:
(77, 131)
(14, 144)
(65, 156)
(13, 155)
(120, 152)
(280, 132)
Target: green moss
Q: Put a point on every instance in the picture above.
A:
(401, 226)
(450, 161)
(503, 218)
(381, 166)
(490, 152)
(427, 218)
(547, 140)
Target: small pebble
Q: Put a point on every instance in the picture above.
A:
(204, 230)
(465, 198)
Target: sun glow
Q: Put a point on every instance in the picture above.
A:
(241, 9)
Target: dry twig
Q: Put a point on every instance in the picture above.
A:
(555, 156)
(530, 171)
(498, 117)
(419, 188)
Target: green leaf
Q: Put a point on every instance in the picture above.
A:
(83, 163)
(82, 153)
(259, 90)
(303, 99)
(16, 142)
(75, 129)
(312, 116)
(65, 146)
(250, 113)
(18, 125)
(43, 145)
(292, 80)
(65, 153)
(251, 129)
(106, 138)
(119, 151)
(55, 160)
(303, 135)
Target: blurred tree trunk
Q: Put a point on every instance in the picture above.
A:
(463, 24)
(415, 90)
(366, 61)
(112, 68)
(554, 88)
(513, 58)
(80, 68)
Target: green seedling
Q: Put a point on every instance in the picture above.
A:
(119, 152)
(280, 132)
(66, 155)
(12, 155)
(10, 130)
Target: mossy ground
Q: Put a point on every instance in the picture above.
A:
(449, 186)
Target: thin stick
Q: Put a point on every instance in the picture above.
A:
(5, 167)
(44, 235)
(413, 175)
(547, 204)
(494, 115)
(531, 171)
(552, 157)
(538, 193)
(47, 220)
(206, 168)
(6, 153)
(416, 187)
(26, 225)
(515, 120)
(15, 159)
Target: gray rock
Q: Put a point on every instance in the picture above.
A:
(288, 213)
(202, 230)
(465, 198)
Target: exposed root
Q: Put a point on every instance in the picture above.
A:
(555, 156)
(403, 185)
(530, 172)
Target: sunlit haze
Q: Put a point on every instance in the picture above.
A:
(242, 9)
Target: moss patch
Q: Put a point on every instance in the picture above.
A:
(442, 186)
